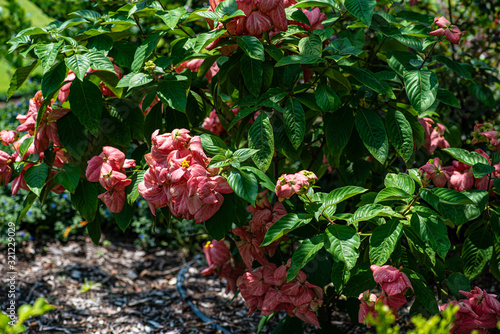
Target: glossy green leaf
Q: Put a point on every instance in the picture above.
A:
(467, 157)
(172, 17)
(311, 45)
(476, 252)
(361, 9)
(481, 170)
(78, 63)
(35, 177)
(370, 80)
(454, 66)
(244, 185)
(391, 194)
(173, 92)
(343, 242)
(52, 80)
(295, 122)
(20, 76)
(338, 128)
(401, 181)
(27, 203)
(371, 129)
(421, 88)
(85, 200)
(327, 99)
(433, 232)
(400, 133)
(252, 47)
(369, 211)
(251, 71)
(145, 50)
(384, 240)
(86, 103)
(423, 293)
(300, 59)
(447, 97)
(261, 138)
(221, 223)
(304, 254)
(285, 225)
(450, 196)
(68, 177)
(47, 53)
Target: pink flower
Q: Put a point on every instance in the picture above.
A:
(315, 17)
(391, 280)
(451, 32)
(212, 123)
(5, 169)
(434, 135)
(478, 135)
(64, 91)
(461, 179)
(7, 137)
(290, 184)
(257, 23)
(114, 199)
(433, 171)
(111, 157)
(195, 64)
(367, 306)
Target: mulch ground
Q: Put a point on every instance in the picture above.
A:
(121, 289)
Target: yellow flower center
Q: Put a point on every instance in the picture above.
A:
(185, 164)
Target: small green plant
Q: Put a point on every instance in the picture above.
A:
(89, 285)
(7, 324)
(384, 321)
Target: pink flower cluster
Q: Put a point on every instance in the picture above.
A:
(266, 288)
(46, 133)
(260, 15)
(221, 262)
(178, 177)
(451, 32)
(480, 311)
(252, 235)
(434, 134)
(394, 284)
(486, 133)
(298, 183)
(460, 176)
(108, 169)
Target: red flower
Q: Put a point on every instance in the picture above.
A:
(451, 32)
(391, 280)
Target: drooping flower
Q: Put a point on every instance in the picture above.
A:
(434, 134)
(391, 280)
(451, 32)
(367, 306)
(7, 137)
(433, 171)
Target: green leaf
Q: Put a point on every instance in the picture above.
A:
(85, 200)
(78, 63)
(100, 43)
(343, 243)
(399, 133)
(450, 196)
(422, 292)
(421, 88)
(447, 97)
(341, 194)
(295, 122)
(401, 181)
(25, 145)
(457, 282)
(173, 92)
(285, 225)
(125, 217)
(264, 180)
(311, 45)
(100, 62)
(27, 203)
(94, 229)
(244, 185)
(476, 252)
(251, 71)
(213, 144)
(172, 17)
(20, 77)
(402, 62)
(384, 240)
(87, 14)
(391, 194)
(51, 80)
(360, 281)
(226, 8)
(481, 170)
(316, 3)
(86, 103)
(433, 232)
(48, 53)
(454, 66)
(68, 177)
(483, 94)
(370, 80)
(252, 47)
(145, 50)
(327, 99)
(369, 211)
(221, 223)
(261, 137)
(73, 135)
(299, 59)
(338, 129)
(361, 9)
(132, 189)
(467, 157)
(35, 177)
(372, 132)
(303, 254)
